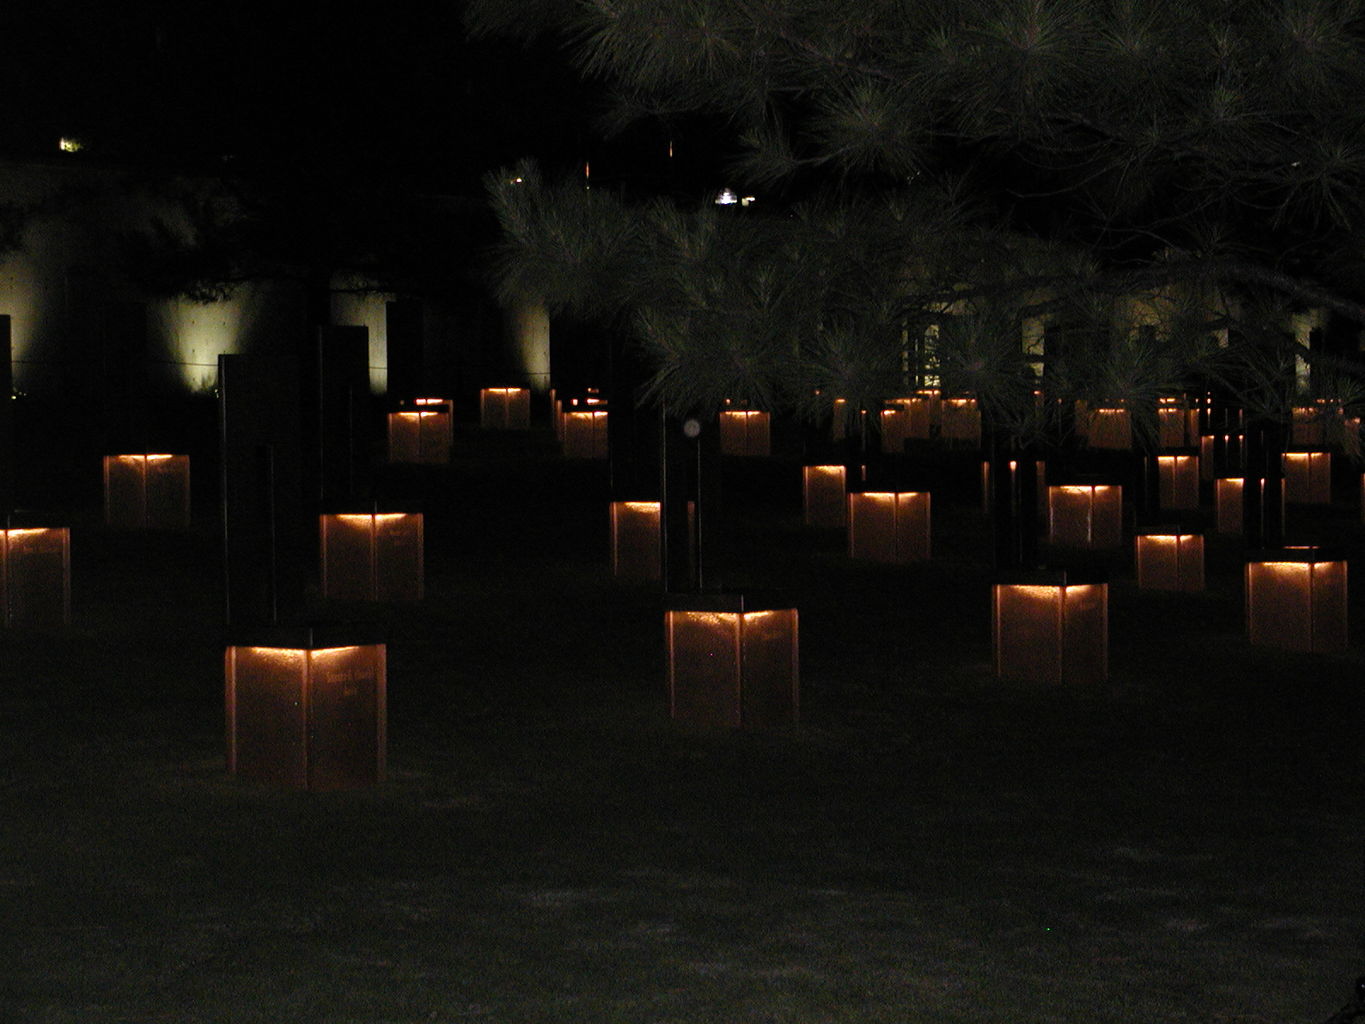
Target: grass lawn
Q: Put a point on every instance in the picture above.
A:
(1184, 844)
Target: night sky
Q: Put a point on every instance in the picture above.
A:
(382, 93)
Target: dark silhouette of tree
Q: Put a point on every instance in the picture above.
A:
(965, 166)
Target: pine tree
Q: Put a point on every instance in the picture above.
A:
(970, 163)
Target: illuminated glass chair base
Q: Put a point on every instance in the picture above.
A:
(1085, 516)
(1172, 431)
(306, 711)
(1296, 599)
(637, 541)
(423, 435)
(745, 432)
(584, 434)
(1228, 513)
(1170, 559)
(35, 577)
(824, 492)
(889, 526)
(1051, 628)
(959, 421)
(505, 409)
(1307, 478)
(1110, 428)
(732, 661)
(1178, 478)
(372, 556)
(147, 492)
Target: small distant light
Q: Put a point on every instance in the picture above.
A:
(69, 144)
(517, 181)
(727, 197)
(748, 201)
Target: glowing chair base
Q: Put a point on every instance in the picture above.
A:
(372, 556)
(147, 492)
(745, 432)
(584, 434)
(35, 577)
(889, 526)
(505, 409)
(1052, 629)
(824, 492)
(422, 435)
(1296, 599)
(732, 662)
(1085, 516)
(304, 713)
(1170, 560)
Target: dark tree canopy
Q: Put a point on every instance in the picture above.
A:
(1024, 156)
(1133, 125)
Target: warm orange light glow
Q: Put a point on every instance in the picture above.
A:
(734, 669)
(421, 436)
(1220, 454)
(1170, 561)
(1171, 427)
(889, 526)
(147, 491)
(823, 490)
(839, 421)
(920, 413)
(35, 577)
(1297, 602)
(139, 459)
(1307, 477)
(1315, 424)
(505, 408)
(584, 434)
(1178, 481)
(1110, 428)
(1051, 633)
(636, 540)
(372, 556)
(895, 425)
(1085, 516)
(758, 617)
(745, 432)
(1227, 504)
(959, 419)
(295, 653)
(306, 718)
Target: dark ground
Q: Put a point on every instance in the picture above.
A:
(1181, 844)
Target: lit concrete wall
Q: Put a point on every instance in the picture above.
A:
(34, 282)
(367, 309)
(529, 328)
(67, 270)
